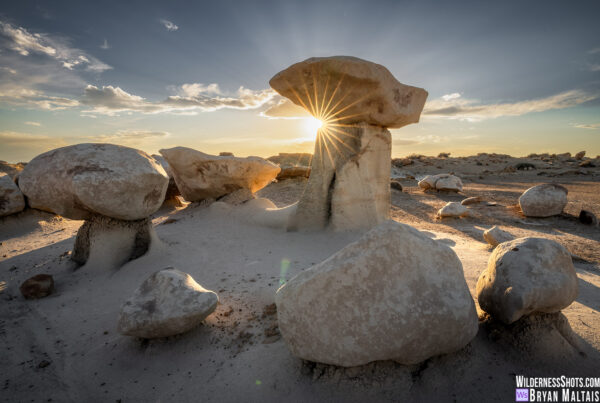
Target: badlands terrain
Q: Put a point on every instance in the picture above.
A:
(65, 347)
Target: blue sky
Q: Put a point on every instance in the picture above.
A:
(514, 77)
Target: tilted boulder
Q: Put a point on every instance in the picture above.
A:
(202, 176)
(543, 200)
(81, 180)
(527, 275)
(395, 294)
(167, 303)
(357, 100)
(114, 188)
(495, 236)
(11, 198)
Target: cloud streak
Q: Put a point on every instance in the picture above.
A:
(109, 100)
(592, 126)
(456, 107)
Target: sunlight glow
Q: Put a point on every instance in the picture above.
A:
(312, 125)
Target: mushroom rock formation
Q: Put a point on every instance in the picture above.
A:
(357, 101)
(113, 188)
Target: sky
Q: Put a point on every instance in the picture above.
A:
(512, 77)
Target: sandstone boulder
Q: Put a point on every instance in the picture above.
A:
(11, 198)
(527, 275)
(85, 179)
(167, 303)
(495, 236)
(366, 92)
(580, 155)
(445, 182)
(453, 209)
(202, 176)
(543, 200)
(395, 294)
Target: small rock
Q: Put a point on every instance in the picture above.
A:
(11, 198)
(167, 303)
(580, 155)
(44, 364)
(402, 162)
(225, 154)
(588, 218)
(495, 236)
(587, 164)
(38, 286)
(394, 184)
(471, 200)
(453, 209)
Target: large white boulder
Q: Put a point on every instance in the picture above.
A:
(395, 294)
(543, 200)
(167, 303)
(85, 179)
(11, 198)
(366, 91)
(524, 276)
(202, 176)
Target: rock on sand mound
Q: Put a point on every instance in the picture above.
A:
(495, 236)
(543, 200)
(169, 302)
(11, 198)
(85, 179)
(527, 275)
(393, 295)
(202, 176)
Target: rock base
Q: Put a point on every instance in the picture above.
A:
(349, 184)
(111, 242)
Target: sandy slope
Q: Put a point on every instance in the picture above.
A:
(237, 355)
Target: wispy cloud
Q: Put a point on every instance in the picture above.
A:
(22, 139)
(25, 43)
(34, 99)
(592, 126)
(169, 25)
(37, 124)
(109, 100)
(594, 51)
(105, 45)
(130, 134)
(456, 107)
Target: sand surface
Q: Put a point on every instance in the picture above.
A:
(65, 347)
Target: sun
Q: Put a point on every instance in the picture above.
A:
(312, 126)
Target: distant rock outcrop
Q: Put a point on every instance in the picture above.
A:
(395, 294)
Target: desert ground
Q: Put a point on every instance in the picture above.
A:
(65, 347)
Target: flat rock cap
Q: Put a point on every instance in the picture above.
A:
(346, 90)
